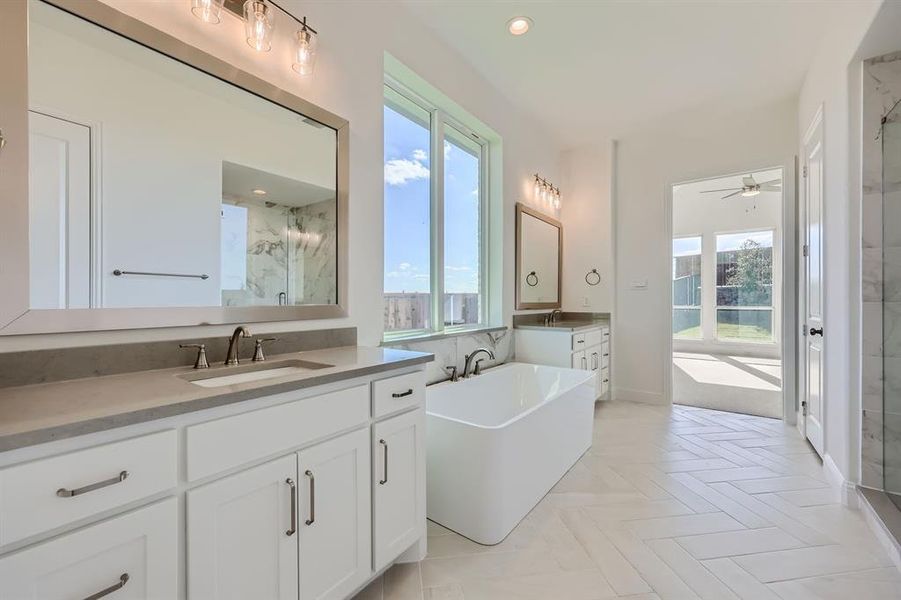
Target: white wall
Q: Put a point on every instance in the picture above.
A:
(696, 213)
(348, 81)
(648, 162)
(588, 233)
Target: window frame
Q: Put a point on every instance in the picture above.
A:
(771, 307)
(395, 96)
(699, 307)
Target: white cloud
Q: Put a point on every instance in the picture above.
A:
(404, 266)
(400, 170)
(420, 155)
(452, 268)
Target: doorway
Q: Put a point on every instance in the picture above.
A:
(727, 293)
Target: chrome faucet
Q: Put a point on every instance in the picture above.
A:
(231, 358)
(551, 317)
(469, 359)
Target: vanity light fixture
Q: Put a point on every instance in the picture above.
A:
(259, 192)
(519, 25)
(546, 193)
(259, 24)
(207, 11)
(306, 42)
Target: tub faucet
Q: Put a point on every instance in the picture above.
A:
(469, 361)
(231, 357)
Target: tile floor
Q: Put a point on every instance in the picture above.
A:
(751, 386)
(669, 503)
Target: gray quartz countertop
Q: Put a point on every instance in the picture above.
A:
(566, 325)
(34, 414)
(567, 321)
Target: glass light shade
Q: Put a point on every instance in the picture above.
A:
(750, 193)
(207, 11)
(305, 45)
(258, 16)
(536, 190)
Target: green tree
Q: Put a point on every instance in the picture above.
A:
(752, 273)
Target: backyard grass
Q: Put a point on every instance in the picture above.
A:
(729, 331)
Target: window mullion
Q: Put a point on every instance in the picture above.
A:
(437, 213)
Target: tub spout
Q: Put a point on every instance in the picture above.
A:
(470, 358)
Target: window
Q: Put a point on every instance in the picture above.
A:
(435, 219)
(744, 286)
(687, 288)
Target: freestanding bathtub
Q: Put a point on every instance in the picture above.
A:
(497, 443)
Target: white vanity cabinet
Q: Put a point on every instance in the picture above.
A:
(241, 537)
(304, 495)
(132, 556)
(398, 449)
(587, 349)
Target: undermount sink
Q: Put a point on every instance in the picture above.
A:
(232, 375)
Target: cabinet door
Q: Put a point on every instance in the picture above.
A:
(242, 540)
(335, 517)
(131, 557)
(398, 485)
(580, 360)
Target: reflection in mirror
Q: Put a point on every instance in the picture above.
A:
(538, 259)
(154, 184)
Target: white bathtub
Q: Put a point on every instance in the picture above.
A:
(497, 443)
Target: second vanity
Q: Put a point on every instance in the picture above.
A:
(302, 485)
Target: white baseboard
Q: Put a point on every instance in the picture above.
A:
(640, 396)
(847, 489)
(879, 529)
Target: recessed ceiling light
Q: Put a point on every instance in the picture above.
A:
(519, 25)
(259, 192)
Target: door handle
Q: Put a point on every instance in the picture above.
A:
(312, 518)
(293, 487)
(818, 332)
(67, 493)
(123, 579)
(385, 463)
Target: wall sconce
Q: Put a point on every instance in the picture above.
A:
(259, 23)
(545, 193)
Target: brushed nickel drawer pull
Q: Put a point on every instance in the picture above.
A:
(123, 579)
(402, 394)
(385, 480)
(293, 487)
(312, 518)
(64, 493)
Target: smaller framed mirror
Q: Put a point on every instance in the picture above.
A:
(539, 259)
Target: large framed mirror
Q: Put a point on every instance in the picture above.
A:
(539, 259)
(162, 186)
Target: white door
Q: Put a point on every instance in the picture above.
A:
(242, 540)
(335, 517)
(397, 478)
(812, 288)
(131, 557)
(59, 212)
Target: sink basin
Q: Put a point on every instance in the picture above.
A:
(232, 375)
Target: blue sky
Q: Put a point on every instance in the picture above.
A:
(407, 171)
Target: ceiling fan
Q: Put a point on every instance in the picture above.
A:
(750, 187)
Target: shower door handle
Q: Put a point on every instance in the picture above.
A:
(818, 332)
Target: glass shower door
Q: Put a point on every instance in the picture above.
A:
(891, 303)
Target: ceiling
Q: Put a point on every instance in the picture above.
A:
(607, 67)
(240, 181)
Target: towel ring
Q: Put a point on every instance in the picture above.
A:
(593, 277)
(530, 278)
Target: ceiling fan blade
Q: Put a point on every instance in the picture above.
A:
(733, 194)
(770, 188)
(722, 190)
(748, 181)
(772, 182)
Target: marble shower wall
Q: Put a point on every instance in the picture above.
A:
(881, 285)
(315, 277)
(453, 350)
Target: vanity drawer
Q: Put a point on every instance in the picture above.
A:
(604, 381)
(397, 393)
(605, 355)
(593, 338)
(579, 341)
(44, 494)
(219, 445)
